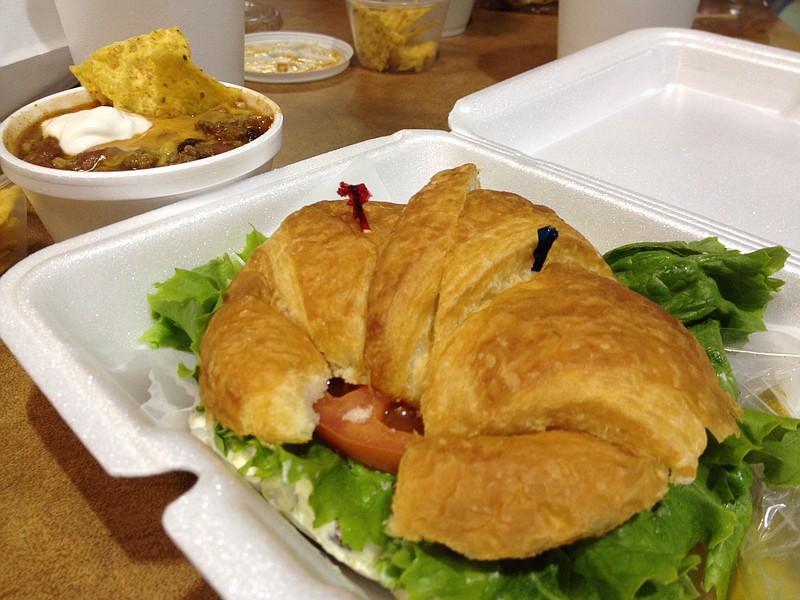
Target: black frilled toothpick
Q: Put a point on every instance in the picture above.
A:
(547, 235)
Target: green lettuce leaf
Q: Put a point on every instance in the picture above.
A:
(358, 499)
(770, 441)
(183, 305)
(709, 334)
(426, 571)
(699, 280)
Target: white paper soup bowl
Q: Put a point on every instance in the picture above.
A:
(73, 202)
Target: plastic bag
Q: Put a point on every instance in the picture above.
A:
(767, 368)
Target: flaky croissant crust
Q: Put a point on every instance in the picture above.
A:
(556, 404)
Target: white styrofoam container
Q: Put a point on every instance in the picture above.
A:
(704, 122)
(70, 311)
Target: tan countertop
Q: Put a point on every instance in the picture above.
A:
(68, 530)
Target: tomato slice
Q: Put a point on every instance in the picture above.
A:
(367, 427)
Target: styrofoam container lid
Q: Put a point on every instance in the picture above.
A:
(63, 319)
(706, 123)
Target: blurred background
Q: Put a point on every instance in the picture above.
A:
(34, 53)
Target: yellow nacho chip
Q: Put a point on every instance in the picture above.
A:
(151, 75)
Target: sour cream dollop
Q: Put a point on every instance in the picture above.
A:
(84, 129)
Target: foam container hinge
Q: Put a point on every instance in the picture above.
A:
(72, 309)
(706, 123)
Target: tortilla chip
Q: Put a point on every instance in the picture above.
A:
(152, 75)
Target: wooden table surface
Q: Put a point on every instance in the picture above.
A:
(68, 530)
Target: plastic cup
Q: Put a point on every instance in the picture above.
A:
(214, 28)
(458, 16)
(397, 35)
(582, 23)
(260, 15)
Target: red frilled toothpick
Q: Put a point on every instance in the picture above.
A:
(357, 195)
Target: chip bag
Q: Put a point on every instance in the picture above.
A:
(151, 75)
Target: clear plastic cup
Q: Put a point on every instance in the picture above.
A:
(397, 35)
(458, 15)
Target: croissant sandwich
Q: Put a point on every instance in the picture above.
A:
(477, 355)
